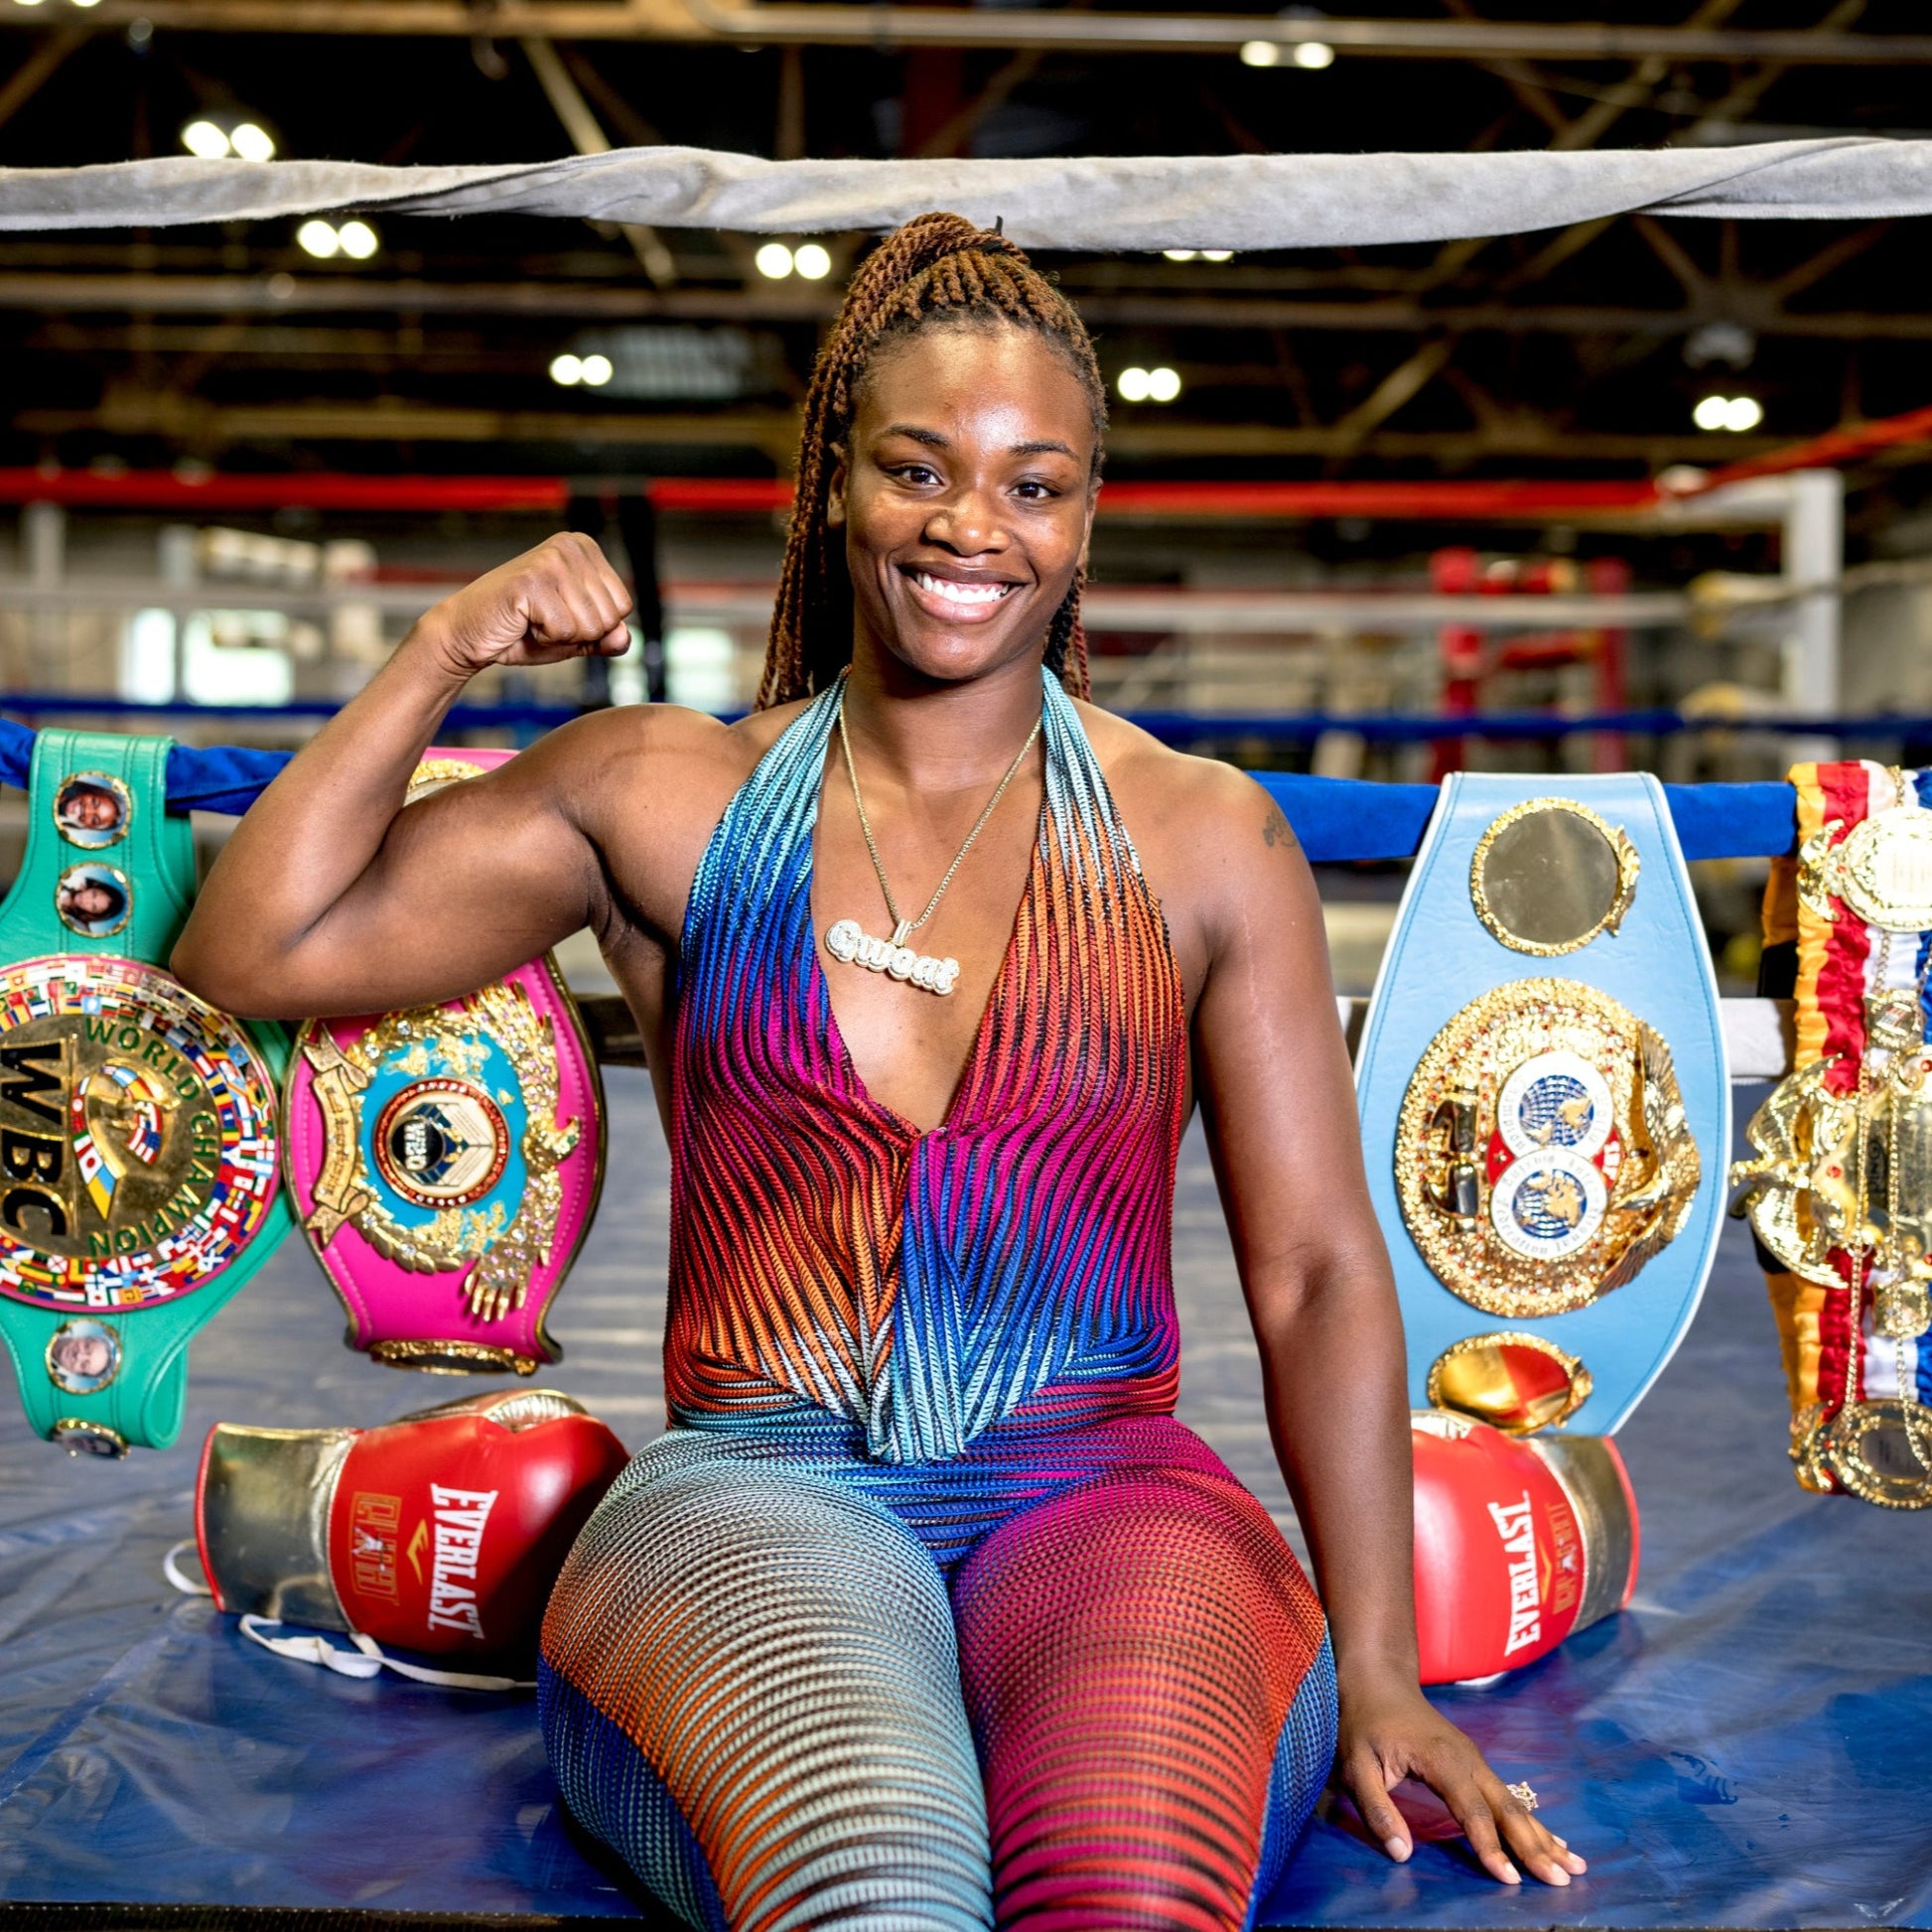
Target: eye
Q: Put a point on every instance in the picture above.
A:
(1034, 491)
(916, 474)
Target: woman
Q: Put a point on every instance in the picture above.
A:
(926, 1612)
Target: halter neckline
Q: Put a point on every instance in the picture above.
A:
(819, 987)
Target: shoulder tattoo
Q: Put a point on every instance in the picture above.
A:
(1276, 830)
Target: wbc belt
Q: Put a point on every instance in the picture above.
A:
(1839, 1190)
(445, 1161)
(139, 1127)
(1544, 1101)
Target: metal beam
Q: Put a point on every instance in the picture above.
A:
(887, 27)
(573, 114)
(33, 73)
(196, 424)
(199, 425)
(56, 292)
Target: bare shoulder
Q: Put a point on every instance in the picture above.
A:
(1194, 804)
(642, 786)
(1214, 846)
(657, 760)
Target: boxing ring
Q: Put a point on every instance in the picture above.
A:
(1749, 1745)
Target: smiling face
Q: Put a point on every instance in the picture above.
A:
(91, 810)
(966, 496)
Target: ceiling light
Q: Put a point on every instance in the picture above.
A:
(566, 370)
(811, 261)
(1260, 54)
(1217, 254)
(252, 142)
(1315, 55)
(1179, 255)
(1132, 384)
(204, 138)
(773, 261)
(358, 241)
(1163, 385)
(1734, 413)
(86, 3)
(319, 238)
(592, 370)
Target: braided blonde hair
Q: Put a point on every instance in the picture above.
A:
(937, 270)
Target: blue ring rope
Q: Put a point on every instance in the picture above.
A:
(1336, 819)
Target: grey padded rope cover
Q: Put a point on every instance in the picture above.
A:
(1242, 202)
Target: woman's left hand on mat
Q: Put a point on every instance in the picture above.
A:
(1388, 1736)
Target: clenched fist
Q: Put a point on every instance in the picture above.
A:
(561, 599)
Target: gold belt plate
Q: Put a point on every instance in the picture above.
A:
(1542, 1153)
(1881, 870)
(139, 1130)
(1802, 1182)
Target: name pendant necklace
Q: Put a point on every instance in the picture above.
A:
(848, 942)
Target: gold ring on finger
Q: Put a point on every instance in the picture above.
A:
(1525, 1795)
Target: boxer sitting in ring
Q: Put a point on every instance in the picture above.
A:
(926, 1612)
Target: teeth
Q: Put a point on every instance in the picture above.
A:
(961, 593)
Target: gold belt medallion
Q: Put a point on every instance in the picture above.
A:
(1542, 1154)
(1802, 1183)
(440, 1150)
(139, 1135)
(1881, 870)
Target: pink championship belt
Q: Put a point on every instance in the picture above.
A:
(445, 1162)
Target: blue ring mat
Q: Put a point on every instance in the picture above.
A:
(1750, 1745)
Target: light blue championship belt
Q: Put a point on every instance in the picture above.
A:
(1544, 1100)
(139, 1127)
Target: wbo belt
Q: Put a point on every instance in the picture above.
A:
(139, 1127)
(1544, 1100)
(445, 1161)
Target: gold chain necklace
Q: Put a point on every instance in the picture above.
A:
(849, 942)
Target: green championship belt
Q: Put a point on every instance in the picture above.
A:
(139, 1130)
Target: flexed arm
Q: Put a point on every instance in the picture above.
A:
(330, 897)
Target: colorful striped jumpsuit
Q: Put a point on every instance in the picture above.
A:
(926, 1612)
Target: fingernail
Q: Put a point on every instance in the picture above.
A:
(1557, 1874)
(1397, 1849)
(1510, 1873)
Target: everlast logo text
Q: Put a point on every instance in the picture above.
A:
(1518, 1531)
(456, 1517)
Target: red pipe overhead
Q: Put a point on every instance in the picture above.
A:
(167, 489)
(1422, 498)
(1829, 451)
(1473, 499)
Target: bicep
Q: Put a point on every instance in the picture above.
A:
(466, 884)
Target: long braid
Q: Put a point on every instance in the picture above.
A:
(936, 269)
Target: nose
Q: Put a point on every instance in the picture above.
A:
(968, 522)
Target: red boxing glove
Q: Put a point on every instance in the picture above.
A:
(442, 1531)
(1518, 1543)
